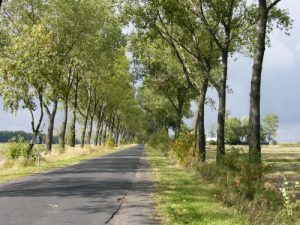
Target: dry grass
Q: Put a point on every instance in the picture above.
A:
(10, 170)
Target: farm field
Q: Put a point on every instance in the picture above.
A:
(284, 159)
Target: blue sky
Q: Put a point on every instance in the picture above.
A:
(280, 85)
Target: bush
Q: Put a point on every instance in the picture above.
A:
(17, 148)
(236, 173)
(160, 140)
(212, 142)
(110, 141)
(242, 186)
(183, 146)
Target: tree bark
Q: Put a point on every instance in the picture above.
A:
(201, 122)
(89, 136)
(116, 138)
(35, 129)
(73, 125)
(51, 119)
(105, 135)
(82, 140)
(254, 115)
(101, 134)
(222, 108)
(62, 136)
(99, 125)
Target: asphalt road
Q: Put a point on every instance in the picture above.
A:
(90, 193)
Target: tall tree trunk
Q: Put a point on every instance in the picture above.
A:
(117, 132)
(254, 115)
(51, 119)
(73, 125)
(89, 135)
(101, 134)
(201, 122)
(222, 109)
(99, 124)
(82, 140)
(196, 132)
(112, 127)
(35, 129)
(86, 117)
(105, 134)
(73, 129)
(62, 136)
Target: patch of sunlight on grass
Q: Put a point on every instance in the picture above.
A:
(54, 160)
(183, 199)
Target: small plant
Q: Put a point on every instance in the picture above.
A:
(289, 205)
(17, 148)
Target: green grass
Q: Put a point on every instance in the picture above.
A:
(182, 198)
(52, 162)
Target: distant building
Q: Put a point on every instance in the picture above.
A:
(209, 139)
(212, 133)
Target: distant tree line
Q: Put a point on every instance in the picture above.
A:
(5, 136)
(236, 130)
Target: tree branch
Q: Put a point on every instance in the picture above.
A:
(272, 5)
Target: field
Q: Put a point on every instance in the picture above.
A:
(284, 159)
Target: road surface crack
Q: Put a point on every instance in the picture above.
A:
(121, 200)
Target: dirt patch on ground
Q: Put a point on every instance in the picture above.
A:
(276, 181)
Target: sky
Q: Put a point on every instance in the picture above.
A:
(280, 85)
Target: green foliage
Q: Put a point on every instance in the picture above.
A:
(5, 136)
(270, 126)
(110, 141)
(237, 173)
(184, 199)
(233, 131)
(183, 146)
(17, 148)
(160, 140)
(290, 206)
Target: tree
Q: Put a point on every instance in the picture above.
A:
(182, 31)
(233, 131)
(25, 74)
(267, 15)
(165, 77)
(270, 126)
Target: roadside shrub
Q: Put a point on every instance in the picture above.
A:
(183, 146)
(110, 141)
(236, 173)
(160, 140)
(242, 186)
(17, 148)
(212, 142)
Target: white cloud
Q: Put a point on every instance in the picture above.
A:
(279, 56)
(298, 46)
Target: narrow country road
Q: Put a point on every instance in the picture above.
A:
(113, 189)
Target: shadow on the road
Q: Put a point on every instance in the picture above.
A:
(96, 177)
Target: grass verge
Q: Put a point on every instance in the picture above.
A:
(184, 199)
(54, 160)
